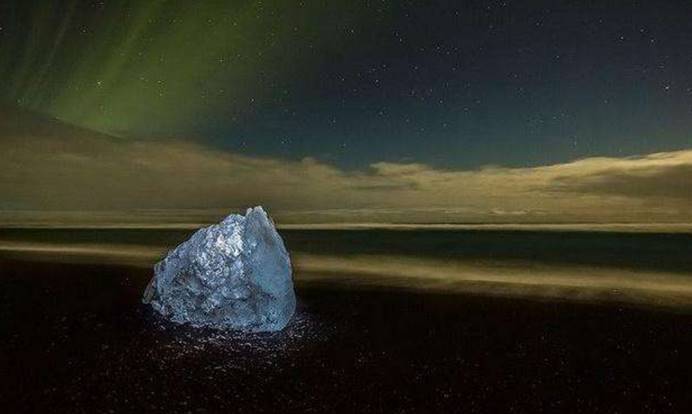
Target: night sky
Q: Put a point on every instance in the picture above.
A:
(447, 84)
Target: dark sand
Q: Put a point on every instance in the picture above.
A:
(75, 338)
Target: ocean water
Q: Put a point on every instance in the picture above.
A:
(634, 267)
(388, 320)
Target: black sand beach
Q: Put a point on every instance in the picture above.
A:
(77, 339)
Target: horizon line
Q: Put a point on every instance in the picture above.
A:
(614, 227)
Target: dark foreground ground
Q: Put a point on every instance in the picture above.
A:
(75, 338)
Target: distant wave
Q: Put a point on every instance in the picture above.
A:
(602, 227)
(503, 278)
(498, 278)
(135, 255)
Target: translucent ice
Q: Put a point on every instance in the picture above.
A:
(235, 274)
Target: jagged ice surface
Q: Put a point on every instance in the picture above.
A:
(235, 274)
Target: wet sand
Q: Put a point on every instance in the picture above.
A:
(77, 339)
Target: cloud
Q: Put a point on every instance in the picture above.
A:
(82, 171)
(666, 182)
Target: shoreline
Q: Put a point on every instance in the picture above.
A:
(79, 339)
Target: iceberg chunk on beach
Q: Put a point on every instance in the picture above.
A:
(235, 274)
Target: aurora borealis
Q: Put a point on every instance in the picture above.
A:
(120, 66)
(536, 111)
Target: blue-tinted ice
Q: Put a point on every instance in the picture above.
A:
(235, 274)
